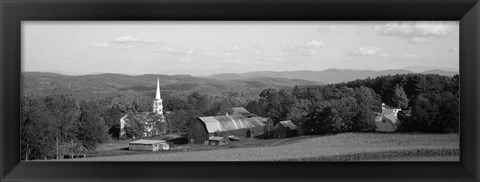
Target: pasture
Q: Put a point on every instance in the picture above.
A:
(340, 147)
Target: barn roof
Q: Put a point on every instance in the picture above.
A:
(288, 124)
(231, 122)
(142, 141)
(217, 138)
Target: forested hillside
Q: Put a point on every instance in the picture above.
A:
(61, 114)
(351, 106)
(326, 76)
(102, 85)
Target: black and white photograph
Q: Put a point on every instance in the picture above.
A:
(240, 91)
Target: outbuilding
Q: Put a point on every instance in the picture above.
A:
(148, 145)
(165, 146)
(215, 140)
(285, 129)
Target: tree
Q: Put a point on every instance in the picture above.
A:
(37, 130)
(200, 102)
(324, 121)
(90, 128)
(112, 116)
(298, 112)
(433, 113)
(399, 98)
(255, 107)
(181, 120)
(135, 129)
(368, 103)
(64, 111)
(276, 103)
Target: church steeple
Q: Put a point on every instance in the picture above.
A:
(157, 96)
(157, 102)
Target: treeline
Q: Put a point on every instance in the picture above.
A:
(432, 99)
(320, 109)
(433, 102)
(64, 124)
(56, 125)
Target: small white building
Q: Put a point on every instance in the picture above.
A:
(148, 145)
(164, 146)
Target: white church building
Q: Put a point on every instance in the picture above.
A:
(149, 119)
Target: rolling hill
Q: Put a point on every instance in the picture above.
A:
(326, 76)
(47, 83)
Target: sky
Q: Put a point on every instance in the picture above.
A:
(202, 48)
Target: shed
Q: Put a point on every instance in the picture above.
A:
(165, 146)
(238, 125)
(147, 145)
(285, 129)
(215, 140)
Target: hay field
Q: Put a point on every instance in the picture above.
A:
(341, 147)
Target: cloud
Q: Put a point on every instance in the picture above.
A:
(371, 51)
(416, 32)
(124, 42)
(226, 53)
(130, 39)
(190, 50)
(417, 29)
(175, 50)
(366, 51)
(419, 40)
(314, 44)
(306, 49)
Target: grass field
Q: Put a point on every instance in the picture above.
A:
(341, 147)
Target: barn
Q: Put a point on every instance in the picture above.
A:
(148, 145)
(285, 129)
(387, 121)
(237, 125)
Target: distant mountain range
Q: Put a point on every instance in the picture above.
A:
(109, 83)
(326, 76)
(251, 82)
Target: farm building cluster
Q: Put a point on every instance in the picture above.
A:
(237, 123)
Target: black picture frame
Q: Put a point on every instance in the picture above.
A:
(15, 11)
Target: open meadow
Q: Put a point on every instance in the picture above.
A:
(340, 147)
